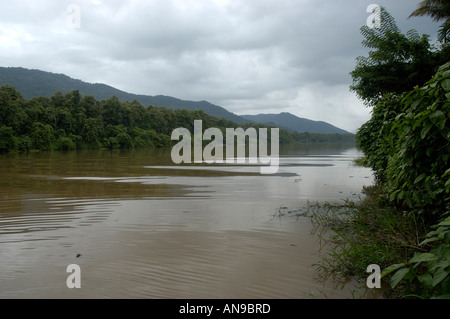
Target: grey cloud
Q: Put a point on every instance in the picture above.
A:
(248, 56)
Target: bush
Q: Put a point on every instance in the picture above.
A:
(373, 137)
(124, 140)
(111, 142)
(7, 139)
(427, 273)
(362, 233)
(407, 144)
(65, 144)
(418, 174)
(42, 136)
(24, 144)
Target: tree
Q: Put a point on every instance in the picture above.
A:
(93, 132)
(444, 32)
(396, 63)
(112, 111)
(407, 144)
(11, 110)
(438, 10)
(7, 140)
(91, 106)
(42, 136)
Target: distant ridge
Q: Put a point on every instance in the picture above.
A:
(32, 83)
(291, 122)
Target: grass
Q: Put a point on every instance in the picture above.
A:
(360, 161)
(356, 235)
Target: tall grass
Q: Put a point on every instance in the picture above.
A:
(356, 235)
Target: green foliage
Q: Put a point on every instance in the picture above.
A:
(65, 144)
(7, 140)
(396, 63)
(70, 121)
(24, 144)
(418, 168)
(407, 144)
(444, 32)
(426, 274)
(436, 9)
(42, 136)
(373, 137)
(111, 142)
(11, 114)
(362, 233)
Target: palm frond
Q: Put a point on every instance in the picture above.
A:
(436, 9)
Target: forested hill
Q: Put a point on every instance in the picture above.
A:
(72, 121)
(33, 83)
(293, 123)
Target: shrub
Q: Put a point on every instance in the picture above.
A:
(24, 144)
(427, 274)
(407, 144)
(7, 139)
(65, 144)
(418, 170)
(111, 142)
(42, 136)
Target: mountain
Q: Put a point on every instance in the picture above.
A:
(32, 83)
(293, 123)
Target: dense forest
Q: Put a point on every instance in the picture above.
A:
(71, 121)
(32, 83)
(404, 223)
(407, 139)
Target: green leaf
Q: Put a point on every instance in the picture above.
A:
(446, 84)
(447, 296)
(421, 257)
(425, 130)
(426, 280)
(438, 118)
(391, 268)
(436, 232)
(429, 240)
(419, 178)
(440, 275)
(398, 276)
(441, 264)
(445, 222)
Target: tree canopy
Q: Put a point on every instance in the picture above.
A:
(72, 121)
(407, 142)
(438, 10)
(396, 63)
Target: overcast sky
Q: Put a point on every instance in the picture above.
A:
(249, 56)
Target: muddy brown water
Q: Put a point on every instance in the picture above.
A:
(140, 227)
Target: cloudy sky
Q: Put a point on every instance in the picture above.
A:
(249, 56)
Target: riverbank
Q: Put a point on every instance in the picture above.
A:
(374, 232)
(359, 234)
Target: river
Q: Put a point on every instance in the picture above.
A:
(139, 226)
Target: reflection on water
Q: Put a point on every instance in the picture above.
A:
(141, 227)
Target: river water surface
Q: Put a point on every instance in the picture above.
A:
(140, 227)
